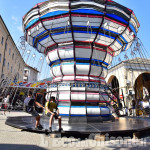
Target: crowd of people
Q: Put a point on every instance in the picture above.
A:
(134, 108)
(30, 103)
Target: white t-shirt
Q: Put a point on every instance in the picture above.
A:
(145, 104)
(26, 101)
(141, 103)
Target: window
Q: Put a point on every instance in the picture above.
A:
(19, 66)
(0, 58)
(6, 47)
(2, 41)
(2, 76)
(4, 62)
(11, 69)
(13, 56)
(8, 66)
(9, 51)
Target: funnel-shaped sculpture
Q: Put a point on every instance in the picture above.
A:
(79, 39)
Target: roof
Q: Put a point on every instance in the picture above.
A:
(136, 60)
(35, 69)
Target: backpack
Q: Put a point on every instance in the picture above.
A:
(133, 103)
(29, 104)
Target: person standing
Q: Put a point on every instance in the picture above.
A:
(132, 109)
(6, 103)
(53, 112)
(30, 103)
(15, 98)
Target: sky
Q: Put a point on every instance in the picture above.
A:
(12, 12)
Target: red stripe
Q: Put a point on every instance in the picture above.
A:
(33, 26)
(82, 47)
(64, 100)
(78, 100)
(52, 18)
(83, 75)
(62, 16)
(97, 101)
(115, 21)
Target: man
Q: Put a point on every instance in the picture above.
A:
(132, 108)
(6, 103)
(52, 111)
(15, 98)
(30, 108)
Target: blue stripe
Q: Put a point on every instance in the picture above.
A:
(76, 31)
(82, 58)
(55, 13)
(75, 26)
(132, 28)
(87, 11)
(51, 14)
(125, 47)
(117, 18)
(110, 31)
(123, 39)
(64, 114)
(61, 33)
(63, 106)
(31, 23)
(93, 107)
(89, 32)
(54, 62)
(106, 35)
(43, 38)
(79, 59)
(119, 42)
(68, 63)
(33, 41)
(68, 59)
(56, 65)
(106, 115)
(83, 63)
(103, 107)
(40, 34)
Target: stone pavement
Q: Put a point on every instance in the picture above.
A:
(15, 139)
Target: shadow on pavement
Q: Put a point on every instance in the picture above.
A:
(20, 147)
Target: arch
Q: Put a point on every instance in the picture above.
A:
(114, 82)
(142, 82)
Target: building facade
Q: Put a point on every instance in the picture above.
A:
(12, 65)
(11, 62)
(130, 79)
(30, 74)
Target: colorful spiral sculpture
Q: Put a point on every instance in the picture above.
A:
(79, 39)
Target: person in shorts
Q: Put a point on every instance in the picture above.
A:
(30, 103)
(52, 111)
